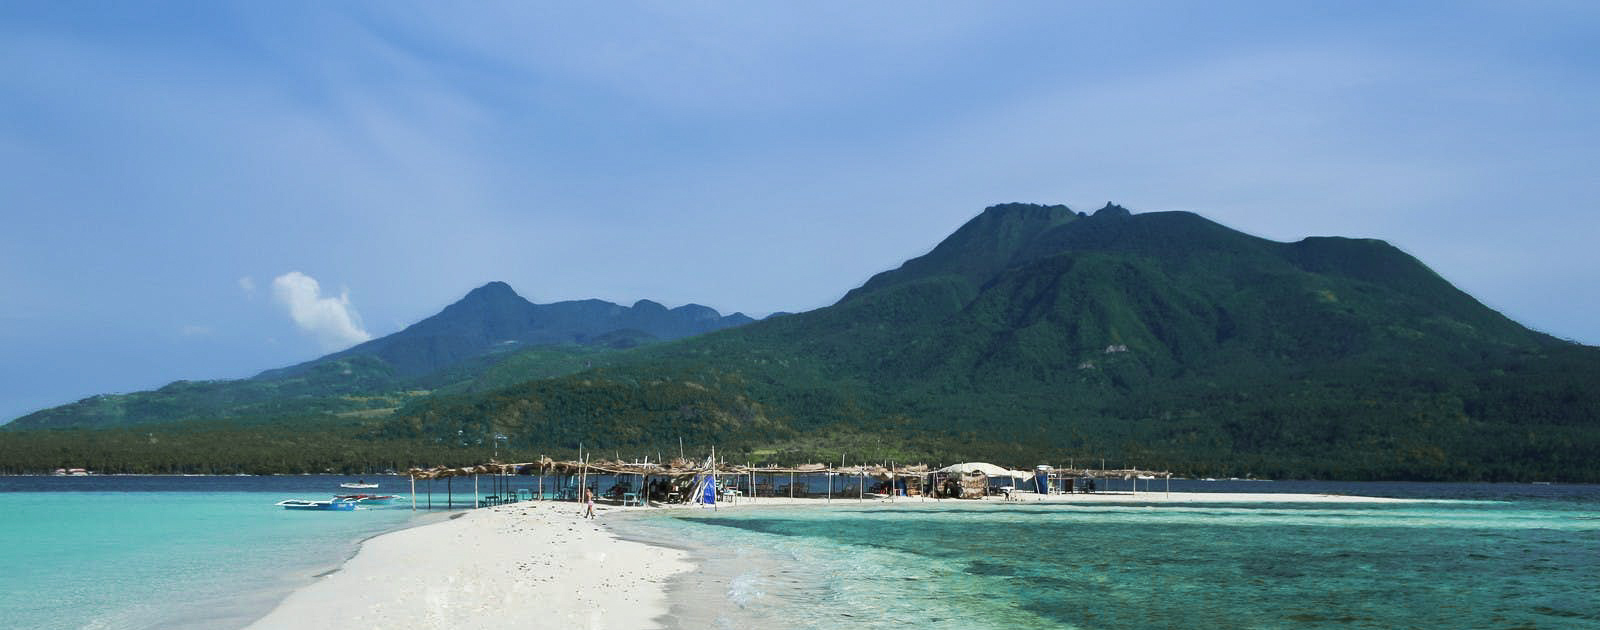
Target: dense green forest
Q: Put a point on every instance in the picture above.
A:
(1033, 334)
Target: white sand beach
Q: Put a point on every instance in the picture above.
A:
(540, 564)
(528, 565)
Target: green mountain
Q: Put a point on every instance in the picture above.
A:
(493, 319)
(1163, 339)
(1032, 334)
(451, 349)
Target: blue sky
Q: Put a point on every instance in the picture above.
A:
(208, 189)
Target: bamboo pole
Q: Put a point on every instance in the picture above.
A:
(474, 491)
(413, 493)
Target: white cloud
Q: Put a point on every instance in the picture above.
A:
(248, 284)
(331, 320)
(195, 330)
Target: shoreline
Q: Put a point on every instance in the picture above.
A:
(541, 562)
(522, 564)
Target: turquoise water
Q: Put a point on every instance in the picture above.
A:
(167, 552)
(1501, 560)
(209, 552)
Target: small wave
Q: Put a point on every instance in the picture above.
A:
(746, 589)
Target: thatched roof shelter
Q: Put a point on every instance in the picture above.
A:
(985, 468)
(685, 468)
(675, 468)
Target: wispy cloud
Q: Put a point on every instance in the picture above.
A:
(331, 320)
(248, 285)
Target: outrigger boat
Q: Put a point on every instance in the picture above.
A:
(368, 499)
(341, 505)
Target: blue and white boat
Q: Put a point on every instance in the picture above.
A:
(342, 505)
(368, 499)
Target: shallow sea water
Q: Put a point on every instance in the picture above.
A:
(1506, 557)
(126, 553)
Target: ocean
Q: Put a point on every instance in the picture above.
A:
(133, 552)
(1475, 556)
(136, 552)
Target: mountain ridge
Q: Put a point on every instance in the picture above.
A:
(489, 320)
(1033, 333)
(493, 316)
(1033, 330)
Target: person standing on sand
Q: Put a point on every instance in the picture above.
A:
(588, 500)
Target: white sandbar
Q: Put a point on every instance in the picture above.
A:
(540, 564)
(525, 565)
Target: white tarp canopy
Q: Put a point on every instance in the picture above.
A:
(987, 469)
